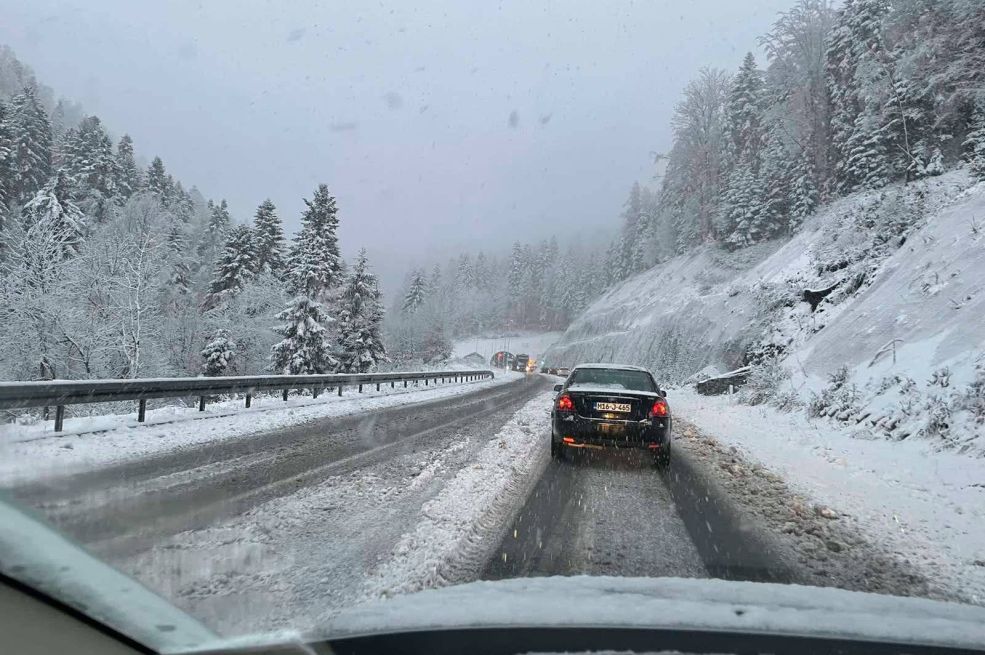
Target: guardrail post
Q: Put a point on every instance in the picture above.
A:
(377, 386)
(391, 384)
(340, 389)
(360, 388)
(59, 417)
(405, 384)
(425, 382)
(141, 410)
(314, 392)
(249, 400)
(285, 395)
(201, 403)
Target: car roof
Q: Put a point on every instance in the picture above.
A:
(618, 367)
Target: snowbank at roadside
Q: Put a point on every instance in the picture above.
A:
(29, 452)
(926, 506)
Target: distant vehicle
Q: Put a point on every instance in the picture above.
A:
(611, 406)
(520, 363)
(564, 371)
(502, 359)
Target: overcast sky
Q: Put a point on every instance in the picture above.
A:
(437, 126)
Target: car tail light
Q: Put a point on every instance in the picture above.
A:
(565, 404)
(659, 409)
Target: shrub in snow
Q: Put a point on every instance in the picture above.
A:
(218, 354)
(838, 400)
(937, 413)
(764, 382)
(972, 400)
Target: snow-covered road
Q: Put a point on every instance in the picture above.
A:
(410, 518)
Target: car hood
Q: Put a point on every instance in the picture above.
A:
(669, 603)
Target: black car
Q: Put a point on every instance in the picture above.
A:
(520, 363)
(611, 406)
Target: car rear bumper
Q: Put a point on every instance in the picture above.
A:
(580, 432)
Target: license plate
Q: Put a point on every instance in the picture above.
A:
(613, 407)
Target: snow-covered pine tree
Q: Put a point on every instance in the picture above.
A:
(6, 161)
(215, 232)
(305, 349)
(776, 183)
(642, 242)
(481, 272)
(514, 279)
(31, 145)
(268, 240)
(180, 202)
(158, 180)
(975, 143)
(613, 263)
(127, 173)
(743, 210)
(314, 265)
(742, 203)
(235, 267)
(744, 113)
(417, 291)
(176, 240)
(627, 239)
(53, 206)
(87, 158)
(360, 320)
(466, 273)
(804, 195)
(218, 354)
(854, 70)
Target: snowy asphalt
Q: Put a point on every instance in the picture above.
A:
(604, 513)
(126, 508)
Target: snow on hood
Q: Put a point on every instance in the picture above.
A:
(670, 603)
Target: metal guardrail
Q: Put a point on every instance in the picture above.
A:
(59, 393)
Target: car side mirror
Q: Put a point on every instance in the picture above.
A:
(558, 387)
(663, 393)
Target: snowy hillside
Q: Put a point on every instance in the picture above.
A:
(888, 336)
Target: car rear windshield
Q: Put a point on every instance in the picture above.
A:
(614, 378)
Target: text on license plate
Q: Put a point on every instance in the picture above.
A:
(613, 407)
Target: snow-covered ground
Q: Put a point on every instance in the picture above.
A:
(427, 517)
(534, 344)
(924, 505)
(29, 452)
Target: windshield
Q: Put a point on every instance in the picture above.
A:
(290, 294)
(612, 378)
